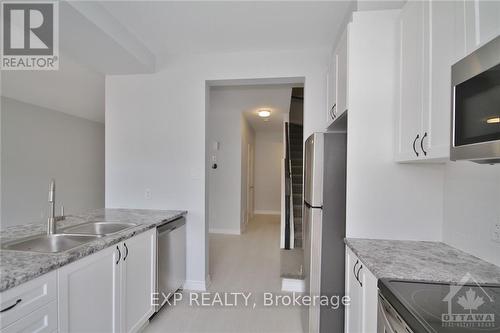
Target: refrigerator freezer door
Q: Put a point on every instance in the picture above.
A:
(312, 265)
(313, 170)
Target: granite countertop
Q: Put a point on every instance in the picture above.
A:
(421, 260)
(17, 267)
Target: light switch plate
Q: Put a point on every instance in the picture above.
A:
(496, 233)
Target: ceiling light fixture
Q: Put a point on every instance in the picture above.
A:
(493, 120)
(264, 113)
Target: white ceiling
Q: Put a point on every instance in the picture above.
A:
(168, 27)
(248, 100)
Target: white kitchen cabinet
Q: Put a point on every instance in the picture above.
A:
(411, 81)
(337, 78)
(477, 22)
(138, 280)
(342, 74)
(27, 305)
(42, 320)
(361, 287)
(331, 89)
(427, 38)
(89, 293)
(109, 291)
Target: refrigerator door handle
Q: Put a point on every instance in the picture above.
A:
(308, 205)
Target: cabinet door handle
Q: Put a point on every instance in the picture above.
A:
(354, 269)
(126, 251)
(414, 142)
(119, 255)
(332, 111)
(422, 144)
(357, 275)
(12, 306)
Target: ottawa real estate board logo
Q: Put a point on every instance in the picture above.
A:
(470, 306)
(30, 35)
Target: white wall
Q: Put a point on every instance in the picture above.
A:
(247, 139)
(155, 132)
(384, 199)
(472, 208)
(268, 161)
(39, 144)
(226, 125)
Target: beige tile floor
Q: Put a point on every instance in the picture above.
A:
(246, 263)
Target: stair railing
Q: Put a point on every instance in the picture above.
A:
(289, 227)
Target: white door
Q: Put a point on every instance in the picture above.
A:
(138, 280)
(342, 74)
(369, 300)
(436, 118)
(411, 82)
(353, 312)
(331, 86)
(250, 183)
(89, 293)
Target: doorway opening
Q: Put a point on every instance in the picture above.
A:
(254, 147)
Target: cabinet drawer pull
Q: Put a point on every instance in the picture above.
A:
(119, 255)
(12, 306)
(126, 251)
(414, 142)
(357, 275)
(422, 144)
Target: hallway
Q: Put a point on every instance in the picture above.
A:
(245, 263)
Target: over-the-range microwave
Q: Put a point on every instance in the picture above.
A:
(475, 109)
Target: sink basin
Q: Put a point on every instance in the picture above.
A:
(99, 228)
(49, 243)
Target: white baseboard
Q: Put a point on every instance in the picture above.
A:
(195, 285)
(224, 231)
(293, 285)
(267, 212)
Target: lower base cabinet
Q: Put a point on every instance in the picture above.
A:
(138, 281)
(361, 287)
(30, 307)
(89, 293)
(109, 291)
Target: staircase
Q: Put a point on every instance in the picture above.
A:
(296, 159)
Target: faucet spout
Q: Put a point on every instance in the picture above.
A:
(51, 221)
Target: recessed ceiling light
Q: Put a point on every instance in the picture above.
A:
(264, 113)
(493, 120)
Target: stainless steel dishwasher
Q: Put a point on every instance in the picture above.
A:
(171, 257)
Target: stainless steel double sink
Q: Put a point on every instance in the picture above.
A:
(68, 238)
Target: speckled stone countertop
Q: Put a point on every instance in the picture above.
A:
(17, 267)
(421, 260)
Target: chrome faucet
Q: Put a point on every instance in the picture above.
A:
(51, 221)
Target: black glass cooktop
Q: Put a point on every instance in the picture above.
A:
(445, 308)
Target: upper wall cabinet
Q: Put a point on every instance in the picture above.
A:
(433, 36)
(337, 80)
(476, 23)
(426, 56)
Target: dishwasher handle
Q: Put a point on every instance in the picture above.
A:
(172, 225)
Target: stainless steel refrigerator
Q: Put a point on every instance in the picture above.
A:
(324, 214)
